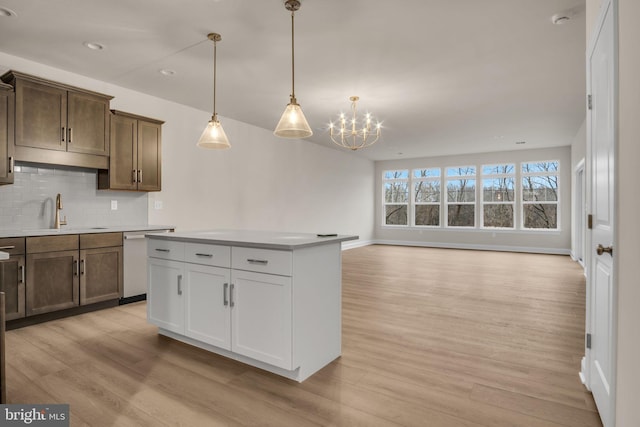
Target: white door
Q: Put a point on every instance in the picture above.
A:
(207, 314)
(601, 280)
(261, 317)
(165, 307)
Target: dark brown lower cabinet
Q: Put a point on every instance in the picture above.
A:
(67, 271)
(52, 281)
(100, 267)
(12, 277)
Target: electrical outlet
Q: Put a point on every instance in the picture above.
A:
(157, 205)
(114, 205)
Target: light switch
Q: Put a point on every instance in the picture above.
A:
(114, 205)
(157, 205)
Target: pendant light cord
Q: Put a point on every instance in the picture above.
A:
(214, 77)
(293, 69)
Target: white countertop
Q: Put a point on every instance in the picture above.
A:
(82, 230)
(254, 239)
(3, 255)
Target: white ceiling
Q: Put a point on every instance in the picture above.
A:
(445, 76)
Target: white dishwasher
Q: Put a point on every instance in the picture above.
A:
(135, 265)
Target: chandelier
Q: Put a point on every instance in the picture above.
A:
(354, 133)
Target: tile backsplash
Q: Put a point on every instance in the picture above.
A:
(29, 203)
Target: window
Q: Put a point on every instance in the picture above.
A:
(426, 197)
(461, 196)
(396, 197)
(498, 196)
(540, 195)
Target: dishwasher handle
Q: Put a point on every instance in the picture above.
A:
(134, 236)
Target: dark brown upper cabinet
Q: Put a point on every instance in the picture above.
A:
(6, 134)
(59, 124)
(135, 161)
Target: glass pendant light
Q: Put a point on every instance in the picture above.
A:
(214, 136)
(293, 124)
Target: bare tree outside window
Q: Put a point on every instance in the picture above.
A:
(396, 197)
(426, 197)
(461, 196)
(540, 195)
(498, 196)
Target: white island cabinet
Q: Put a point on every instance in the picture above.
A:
(271, 300)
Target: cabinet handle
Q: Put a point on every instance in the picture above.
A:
(134, 176)
(224, 294)
(69, 139)
(205, 255)
(75, 267)
(11, 165)
(140, 176)
(231, 302)
(257, 261)
(163, 250)
(6, 247)
(179, 284)
(82, 266)
(63, 134)
(21, 280)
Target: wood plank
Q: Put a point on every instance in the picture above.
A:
(430, 337)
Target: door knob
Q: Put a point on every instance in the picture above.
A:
(601, 249)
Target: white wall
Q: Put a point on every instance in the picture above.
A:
(628, 228)
(578, 155)
(517, 240)
(262, 182)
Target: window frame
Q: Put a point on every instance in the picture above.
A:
(414, 181)
(384, 199)
(445, 197)
(483, 203)
(523, 203)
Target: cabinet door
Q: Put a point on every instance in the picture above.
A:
(6, 136)
(206, 293)
(41, 116)
(12, 276)
(88, 124)
(52, 281)
(165, 305)
(261, 317)
(123, 160)
(100, 274)
(149, 156)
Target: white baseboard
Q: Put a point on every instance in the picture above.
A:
(352, 244)
(526, 249)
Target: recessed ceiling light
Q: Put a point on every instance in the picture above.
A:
(7, 12)
(560, 18)
(167, 72)
(521, 142)
(94, 45)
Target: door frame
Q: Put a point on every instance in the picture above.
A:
(607, 6)
(580, 213)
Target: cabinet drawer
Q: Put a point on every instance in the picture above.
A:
(166, 249)
(100, 240)
(12, 245)
(67, 242)
(216, 255)
(262, 260)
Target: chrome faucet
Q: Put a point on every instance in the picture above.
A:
(57, 223)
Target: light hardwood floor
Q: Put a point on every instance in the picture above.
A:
(431, 337)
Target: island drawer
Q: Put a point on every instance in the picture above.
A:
(166, 249)
(262, 260)
(201, 253)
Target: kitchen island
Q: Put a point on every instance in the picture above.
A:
(271, 300)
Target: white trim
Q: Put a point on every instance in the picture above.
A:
(499, 248)
(352, 244)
